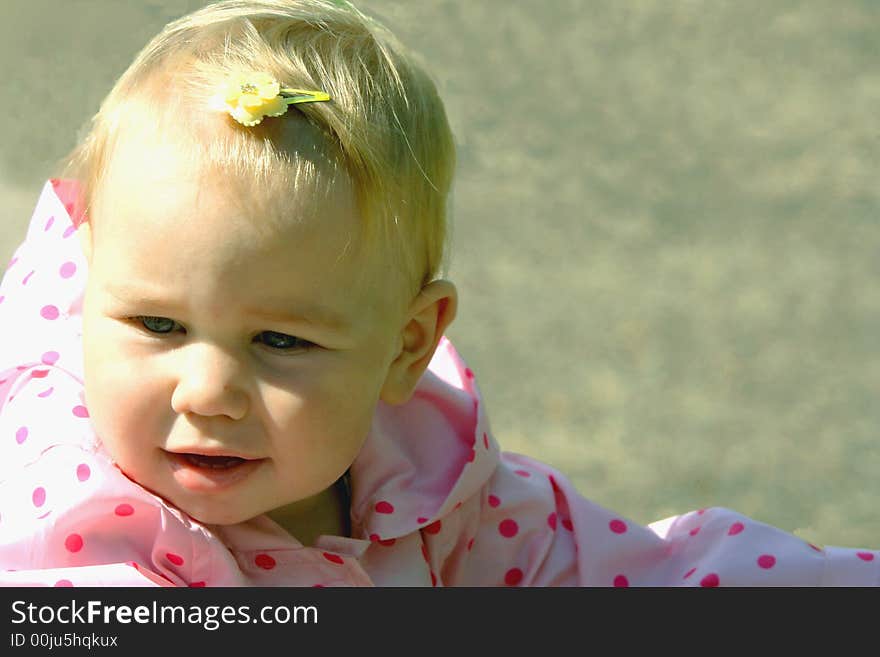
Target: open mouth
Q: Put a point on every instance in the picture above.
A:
(202, 473)
(213, 462)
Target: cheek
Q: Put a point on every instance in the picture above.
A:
(122, 399)
(329, 414)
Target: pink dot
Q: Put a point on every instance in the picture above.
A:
(434, 527)
(689, 573)
(176, 559)
(264, 561)
(375, 538)
(81, 411)
(617, 526)
(196, 585)
(21, 435)
(621, 581)
(865, 556)
(694, 531)
(551, 520)
(421, 519)
(49, 223)
(50, 357)
(513, 576)
(12, 262)
(508, 528)
(384, 507)
(83, 472)
(68, 232)
(48, 391)
(735, 529)
(73, 543)
(67, 270)
(63, 582)
(468, 373)
(2, 296)
(494, 501)
(123, 510)
(710, 581)
(39, 496)
(766, 561)
(39, 374)
(49, 312)
(333, 558)
(523, 473)
(27, 278)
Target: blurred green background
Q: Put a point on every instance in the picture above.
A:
(667, 238)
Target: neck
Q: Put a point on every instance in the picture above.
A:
(326, 513)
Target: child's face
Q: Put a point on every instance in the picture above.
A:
(225, 364)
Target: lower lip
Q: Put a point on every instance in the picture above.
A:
(209, 480)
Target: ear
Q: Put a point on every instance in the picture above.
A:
(430, 313)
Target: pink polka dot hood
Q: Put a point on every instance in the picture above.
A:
(435, 502)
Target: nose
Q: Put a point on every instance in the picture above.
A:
(209, 383)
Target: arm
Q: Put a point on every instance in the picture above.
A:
(535, 529)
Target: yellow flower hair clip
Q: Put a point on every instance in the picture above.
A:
(248, 97)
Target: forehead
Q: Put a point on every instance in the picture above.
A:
(261, 167)
(161, 222)
(154, 184)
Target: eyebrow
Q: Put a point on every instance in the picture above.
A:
(312, 314)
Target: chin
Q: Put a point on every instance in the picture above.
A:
(217, 516)
(208, 514)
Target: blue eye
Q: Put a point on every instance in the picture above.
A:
(157, 324)
(272, 339)
(283, 341)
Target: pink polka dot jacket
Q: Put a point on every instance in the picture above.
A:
(435, 503)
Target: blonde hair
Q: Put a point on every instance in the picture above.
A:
(385, 125)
